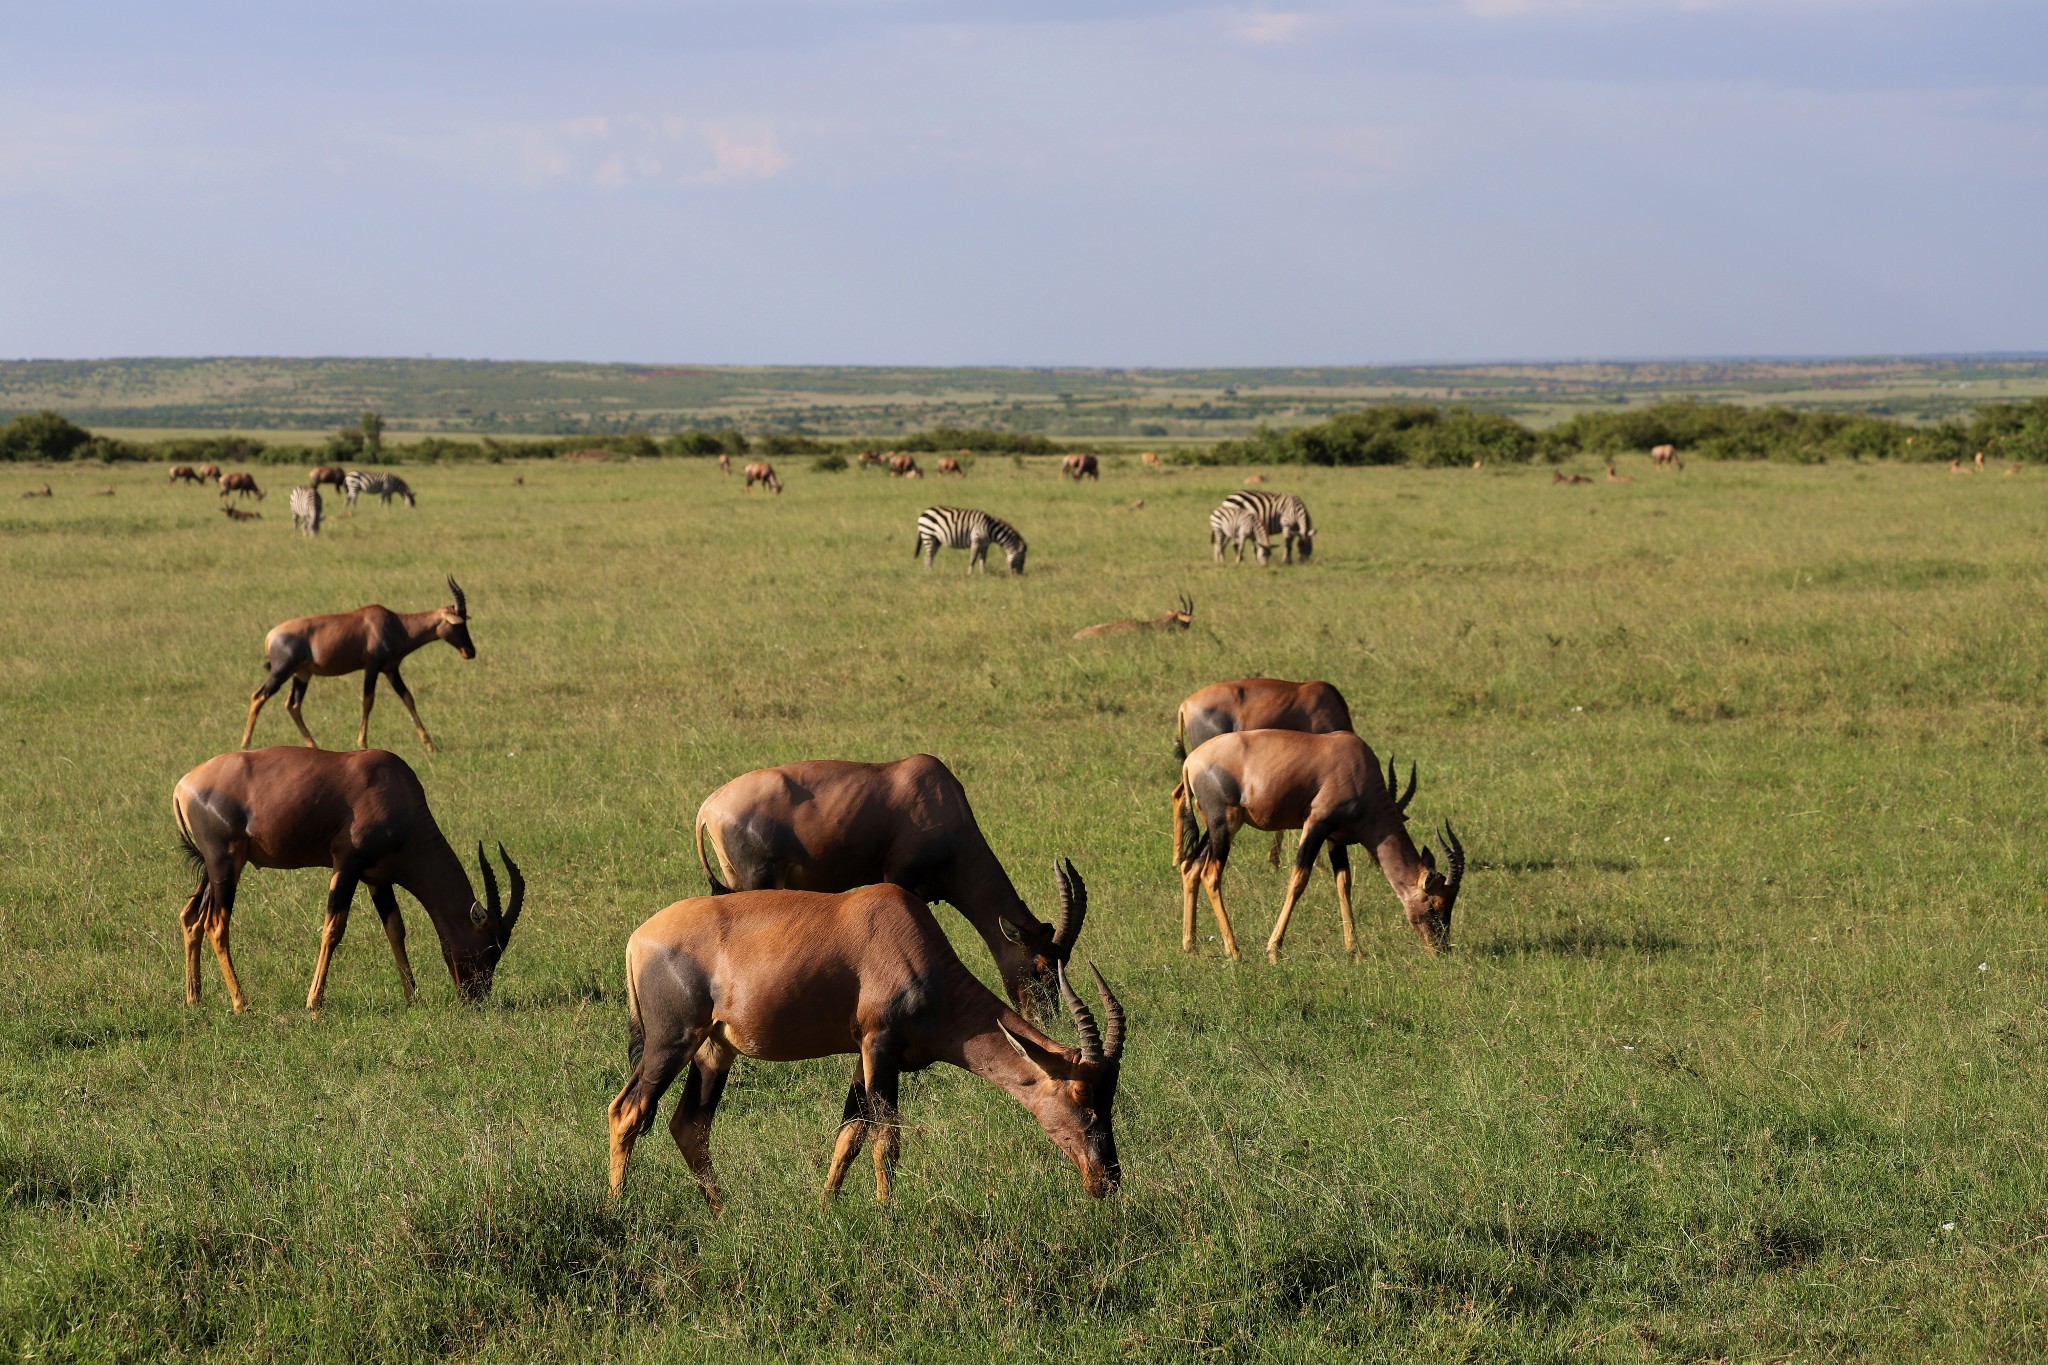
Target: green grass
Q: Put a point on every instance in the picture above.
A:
(1746, 1007)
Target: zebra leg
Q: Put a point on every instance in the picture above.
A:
(978, 559)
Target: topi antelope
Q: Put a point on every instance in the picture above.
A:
(1613, 477)
(363, 814)
(787, 976)
(240, 484)
(370, 640)
(43, 492)
(725, 463)
(1180, 618)
(1260, 704)
(209, 471)
(904, 465)
(950, 464)
(1150, 458)
(1078, 467)
(332, 474)
(185, 473)
(829, 825)
(763, 473)
(237, 514)
(1665, 456)
(1559, 476)
(1327, 786)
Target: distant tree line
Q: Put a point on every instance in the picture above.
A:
(1386, 434)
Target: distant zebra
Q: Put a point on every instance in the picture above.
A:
(1231, 524)
(963, 528)
(306, 508)
(386, 486)
(1282, 514)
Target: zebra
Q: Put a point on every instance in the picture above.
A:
(361, 481)
(306, 508)
(1280, 514)
(963, 528)
(1232, 524)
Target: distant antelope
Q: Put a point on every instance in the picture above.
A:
(1223, 708)
(363, 814)
(965, 528)
(1330, 788)
(792, 975)
(240, 485)
(306, 509)
(1282, 514)
(107, 492)
(1613, 477)
(904, 465)
(1560, 476)
(332, 474)
(1150, 458)
(43, 492)
(209, 472)
(1955, 466)
(386, 486)
(1180, 618)
(1665, 455)
(370, 640)
(725, 463)
(237, 514)
(1078, 467)
(828, 825)
(1980, 462)
(950, 464)
(871, 457)
(1254, 478)
(763, 473)
(185, 473)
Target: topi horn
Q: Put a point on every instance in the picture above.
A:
(1394, 784)
(461, 602)
(1113, 1011)
(1084, 1022)
(1073, 906)
(490, 880)
(518, 888)
(1454, 855)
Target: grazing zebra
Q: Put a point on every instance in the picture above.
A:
(1232, 524)
(386, 486)
(963, 528)
(1282, 514)
(306, 508)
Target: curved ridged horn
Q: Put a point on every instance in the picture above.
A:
(518, 888)
(1187, 604)
(461, 602)
(1073, 906)
(1113, 1011)
(1454, 854)
(490, 880)
(1394, 784)
(1084, 1022)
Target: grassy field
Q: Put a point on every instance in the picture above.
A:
(1740, 1053)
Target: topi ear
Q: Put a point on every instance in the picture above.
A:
(1018, 1044)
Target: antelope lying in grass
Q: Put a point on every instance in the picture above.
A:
(370, 640)
(786, 976)
(1613, 477)
(237, 514)
(834, 825)
(1177, 619)
(1559, 476)
(363, 814)
(828, 825)
(1327, 786)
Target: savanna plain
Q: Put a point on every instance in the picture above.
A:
(1739, 1055)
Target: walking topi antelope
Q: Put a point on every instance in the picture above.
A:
(1180, 618)
(370, 640)
(785, 976)
(829, 825)
(363, 814)
(1327, 786)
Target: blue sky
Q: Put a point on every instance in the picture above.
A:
(1132, 182)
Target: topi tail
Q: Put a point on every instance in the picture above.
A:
(1190, 840)
(718, 888)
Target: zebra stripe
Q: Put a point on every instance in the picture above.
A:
(306, 509)
(964, 528)
(360, 481)
(1282, 514)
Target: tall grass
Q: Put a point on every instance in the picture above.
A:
(1740, 1054)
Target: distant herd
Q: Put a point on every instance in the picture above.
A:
(818, 937)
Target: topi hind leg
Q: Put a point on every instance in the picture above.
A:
(853, 1133)
(405, 696)
(192, 919)
(879, 1061)
(386, 901)
(632, 1110)
(294, 706)
(690, 1125)
(219, 915)
(263, 693)
(1190, 877)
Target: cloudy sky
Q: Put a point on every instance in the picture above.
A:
(1118, 182)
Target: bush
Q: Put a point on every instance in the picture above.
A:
(42, 436)
(828, 464)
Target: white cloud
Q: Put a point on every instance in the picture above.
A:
(1266, 27)
(754, 156)
(618, 151)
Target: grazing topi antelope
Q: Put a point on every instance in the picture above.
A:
(829, 825)
(1327, 786)
(1180, 618)
(763, 473)
(363, 814)
(1078, 467)
(185, 473)
(786, 976)
(332, 474)
(950, 464)
(241, 485)
(1261, 704)
(371, 640)
(209, 471)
